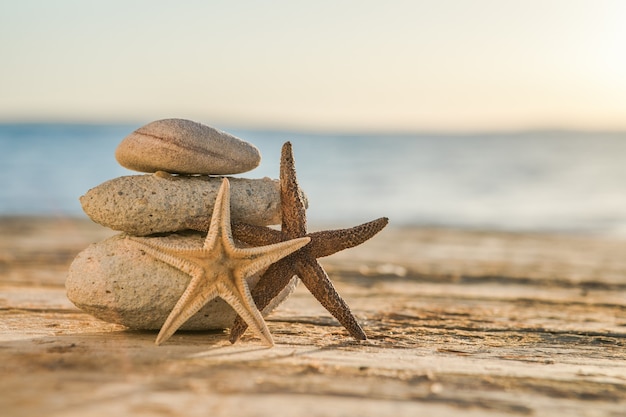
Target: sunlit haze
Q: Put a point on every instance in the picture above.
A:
(322, 65)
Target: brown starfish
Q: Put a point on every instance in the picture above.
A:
(303, 262)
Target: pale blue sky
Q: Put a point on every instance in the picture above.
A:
(449, 65)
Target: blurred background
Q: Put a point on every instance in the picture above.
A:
(507, 115)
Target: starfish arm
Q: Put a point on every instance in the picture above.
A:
(193, 299)
(253, 260)
(274, 260)
(255, 235)
(293, 208)
(239, 298)
(327, 242)
(166, 253)
(269, 286)
(220, 219)
(316, 280)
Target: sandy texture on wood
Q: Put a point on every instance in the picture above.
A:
(459, 323)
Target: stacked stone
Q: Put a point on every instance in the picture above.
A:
(118, 282)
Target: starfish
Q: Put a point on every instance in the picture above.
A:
(302, 263)
(218, 268)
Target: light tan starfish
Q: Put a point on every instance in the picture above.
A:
(218, 268)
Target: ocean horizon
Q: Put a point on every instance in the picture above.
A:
(529, 181)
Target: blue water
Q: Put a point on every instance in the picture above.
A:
(536, 181)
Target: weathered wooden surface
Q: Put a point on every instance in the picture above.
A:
(460, 323)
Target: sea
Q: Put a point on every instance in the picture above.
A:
(535, 181)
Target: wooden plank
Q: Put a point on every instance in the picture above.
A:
(479, 323)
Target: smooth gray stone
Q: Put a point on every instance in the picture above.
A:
(117, 282)
(180, 146)
(147, 204)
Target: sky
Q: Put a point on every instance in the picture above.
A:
(341, 65)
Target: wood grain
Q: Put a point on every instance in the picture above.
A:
(459, 323)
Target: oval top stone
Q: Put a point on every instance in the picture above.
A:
(180, 146)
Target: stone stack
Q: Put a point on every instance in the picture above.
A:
(118, 282)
